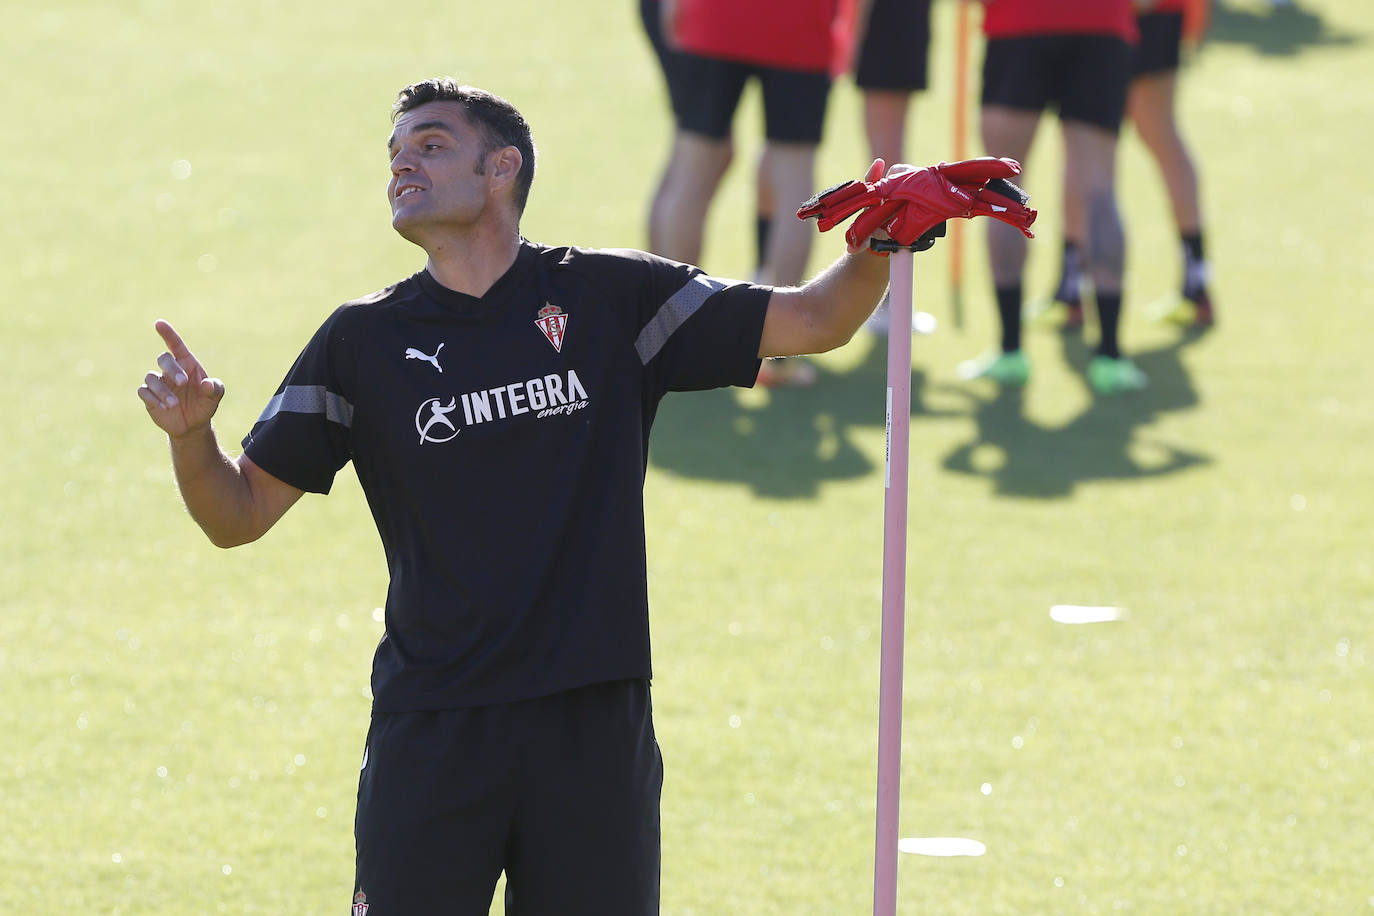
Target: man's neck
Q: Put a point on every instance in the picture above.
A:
(473, 265)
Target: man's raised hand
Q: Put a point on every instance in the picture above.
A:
(180, 397)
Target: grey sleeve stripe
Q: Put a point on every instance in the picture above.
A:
(310, 399)
(680, 306)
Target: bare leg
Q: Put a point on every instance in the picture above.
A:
(764, 207)
(785, 185)
(1150, 106)
(1075, 243)
(885, 113)
(1090, 164)
(1075, 216)
(787, 176)
(885, 121)
(1007, 132)
(677, 216)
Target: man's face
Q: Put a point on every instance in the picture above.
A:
(437, 170)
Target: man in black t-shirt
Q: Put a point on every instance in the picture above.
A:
(496, 407)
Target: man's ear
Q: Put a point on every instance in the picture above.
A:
(504, 166)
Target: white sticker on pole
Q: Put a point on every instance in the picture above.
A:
(887, 459)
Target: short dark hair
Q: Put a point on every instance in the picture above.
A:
(498, 120)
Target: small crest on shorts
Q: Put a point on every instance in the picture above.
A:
(360, 904)
(553, 322)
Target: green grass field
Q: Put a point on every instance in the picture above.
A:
(183, 726)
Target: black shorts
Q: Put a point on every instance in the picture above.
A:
(669, 61)
(1083, 77)
(1161, 35)
(896, 46)
(705, 92)
(561, 793)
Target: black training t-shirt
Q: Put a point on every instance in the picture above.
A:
(501, 442)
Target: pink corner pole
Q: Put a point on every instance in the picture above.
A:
(894, 583)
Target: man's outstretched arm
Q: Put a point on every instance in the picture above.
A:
(825, 313)
(234, 502)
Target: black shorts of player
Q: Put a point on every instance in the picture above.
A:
(561, 793)
(1083, 77)
(1161, 34)
(710, 89)
(895, 51)
(680, 90)
(704, 92)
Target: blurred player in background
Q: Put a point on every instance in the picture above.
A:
(1073, 56)
(1164, 28)
(890, 51)
(709, 50)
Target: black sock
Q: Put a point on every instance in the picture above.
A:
(1070, 269)
(1194, 266)
(1108, 320)
(763, 227)
(1009, 309)
(1192, 247)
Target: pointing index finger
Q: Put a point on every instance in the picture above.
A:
(175, 345)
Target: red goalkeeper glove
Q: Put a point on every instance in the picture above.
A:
(911, 206)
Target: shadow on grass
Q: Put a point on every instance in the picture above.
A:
(788, 447)
(1281, 31)
(1027, 460)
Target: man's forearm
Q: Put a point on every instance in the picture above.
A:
(849, 290)
(213, 487)
(825, 313)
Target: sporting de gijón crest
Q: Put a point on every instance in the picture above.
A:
(553, 321)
